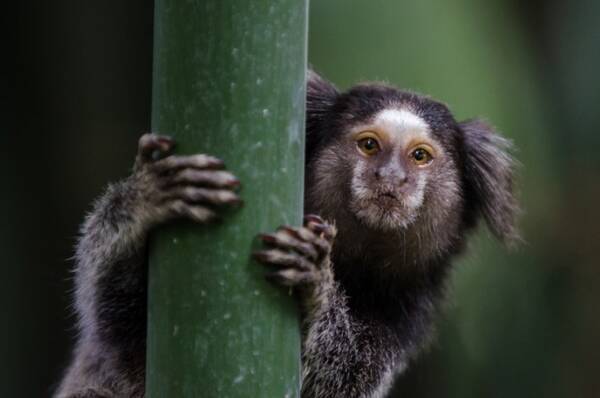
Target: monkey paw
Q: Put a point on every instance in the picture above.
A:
(193, 187)
(299, 256)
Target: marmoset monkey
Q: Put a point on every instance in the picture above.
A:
(394, 185)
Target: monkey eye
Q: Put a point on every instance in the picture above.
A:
(421, 156)
(368, 145)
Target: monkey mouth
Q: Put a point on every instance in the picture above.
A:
(384, 211)
(388, 195)
(387, 199)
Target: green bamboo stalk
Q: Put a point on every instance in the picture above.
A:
(229, 80)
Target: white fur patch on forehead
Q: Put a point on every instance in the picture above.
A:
(400, 119)
(400, 126)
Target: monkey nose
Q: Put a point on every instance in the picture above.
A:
(396, 177)
(401, 179)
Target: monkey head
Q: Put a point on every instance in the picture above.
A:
(395, 162)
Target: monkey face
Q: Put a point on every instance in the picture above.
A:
(398, 169)
(388, 157)
(395, 161)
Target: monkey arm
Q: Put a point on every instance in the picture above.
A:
(110, 285)
(110, 257)
(344, 356)
(111, 262)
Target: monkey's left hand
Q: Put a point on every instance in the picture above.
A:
(299, 256)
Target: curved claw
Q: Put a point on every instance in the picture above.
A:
(151, 144)
(313, 218)
(319, 226)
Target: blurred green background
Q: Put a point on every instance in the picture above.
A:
(520, 324)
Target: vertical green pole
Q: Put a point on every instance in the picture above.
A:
(229, 80)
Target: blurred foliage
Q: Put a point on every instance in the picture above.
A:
(520, 324)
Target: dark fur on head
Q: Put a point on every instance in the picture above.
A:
(489, 173)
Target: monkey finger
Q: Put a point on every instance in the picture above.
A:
(302, 233)
(215, 197)
(171, 164)
(323, 247)
(150, 144)
(284, 241)
(210, 178)
(200, 214)
(289, 277)
(314, 218)
(324, 230)
(316, 228)
(319, 226)
(329, 232)
(282, 259)
(306, 235)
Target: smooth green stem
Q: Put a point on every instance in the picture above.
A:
(229, 80)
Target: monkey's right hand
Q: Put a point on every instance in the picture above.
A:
(299, 256)
(170, 186)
